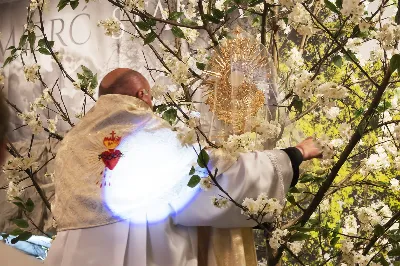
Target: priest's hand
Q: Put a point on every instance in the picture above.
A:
(309, 149)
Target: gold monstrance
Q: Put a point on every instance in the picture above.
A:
(236, 77)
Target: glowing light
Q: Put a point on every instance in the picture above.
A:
(150, 181)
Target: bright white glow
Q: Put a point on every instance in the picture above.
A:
(150, 181)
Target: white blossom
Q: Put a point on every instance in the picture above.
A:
(377, 161)
(190, 34)
(268, 130)
(296, 246)
(179, 70)
(50, 175)
(345, 130)
(251, 206)
(295, 59)
(395, 185)
(323, 144)
(13, 191)
(219, 202)
(332, 113)
(2, 78)
(303, 86)
(364, 25)
(112, 26)
(388, 35)
(277, 238)
(52, 125)
(134, 4)
(31, 72)
(300, 19)
(247, 142)
(350, 225)
(206, 183)
(353, 8)
(332, 90)
(34, 4)
(187, 136)
(219, 4)
(193, 122)
(396, 132)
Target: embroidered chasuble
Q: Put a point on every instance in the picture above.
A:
(90, 232)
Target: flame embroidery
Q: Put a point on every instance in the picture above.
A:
(111, 156)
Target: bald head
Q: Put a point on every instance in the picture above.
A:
(126, 81)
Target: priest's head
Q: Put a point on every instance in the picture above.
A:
(4, 117)
(126, 81)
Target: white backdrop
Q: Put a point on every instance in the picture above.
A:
(75, 32)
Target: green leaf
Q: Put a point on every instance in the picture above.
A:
(379, 230)
(294, 190)
(339, 3)
(231, 9)
(291, 199)
(177, 32)
(62, 4)
(297, 104)
(255, 2)
(19, 204)
(44, 51)
(94, 82)
(175, 15)
(87, 72)
(192, 171)
(394, 252)
(170, 115)
(19, 199)
(304, 229)
(395, 63)
(9, 59)
(152, 22)
(299, 237)
(22, 40)
(143, 26)
(218, 14)
(16, 232)
(74, 4)
(21, 223)
(351, 57)
(306, 178)
(42, 42)
(334, 241)
(32, 39)
(25, 236)
(161, 108)
(14, 240)
(383, 261)
(331, 6)
(338, 61)
(211, 18)
(200, 66)
(203, 158)
(189, 22)
(29, 205)
(374, 121)
(194, 180)
(149, 38)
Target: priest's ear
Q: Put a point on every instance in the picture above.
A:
(145, 96)
(4, 120)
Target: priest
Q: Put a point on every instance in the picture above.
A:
(96, 154)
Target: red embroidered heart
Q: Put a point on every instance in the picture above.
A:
(110, 158)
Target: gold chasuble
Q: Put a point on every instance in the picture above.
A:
(223, 247)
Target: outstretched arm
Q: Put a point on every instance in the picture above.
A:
(271, 172)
